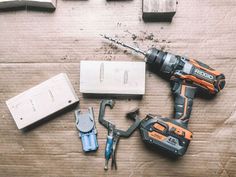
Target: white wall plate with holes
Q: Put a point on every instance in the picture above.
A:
(42, 100)
(112, 77)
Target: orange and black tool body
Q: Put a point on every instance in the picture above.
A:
(191, 72)
(187, 77)
(171, 135)
(166, 134)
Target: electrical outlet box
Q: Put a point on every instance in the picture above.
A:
(112, 77)
(42, 100)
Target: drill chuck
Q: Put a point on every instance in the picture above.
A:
(162, 61)
(155, 57)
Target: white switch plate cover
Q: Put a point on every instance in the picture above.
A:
(42, 100)
(112, 77)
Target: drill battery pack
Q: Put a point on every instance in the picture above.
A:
(165, 134)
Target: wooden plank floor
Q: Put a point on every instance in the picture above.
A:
(35, 46)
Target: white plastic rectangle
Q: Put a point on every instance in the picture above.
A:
(42, 100)
(112, 77)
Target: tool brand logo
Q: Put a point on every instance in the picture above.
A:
(203, 74)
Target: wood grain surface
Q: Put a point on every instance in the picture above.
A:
(35, 46)
(159, 10)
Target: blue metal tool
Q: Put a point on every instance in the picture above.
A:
(87, 131)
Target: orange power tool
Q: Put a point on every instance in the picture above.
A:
(187, 76)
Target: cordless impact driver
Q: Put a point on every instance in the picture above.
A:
(187, 76)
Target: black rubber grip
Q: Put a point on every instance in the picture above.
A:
(184, 95)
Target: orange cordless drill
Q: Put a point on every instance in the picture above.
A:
(187, 76)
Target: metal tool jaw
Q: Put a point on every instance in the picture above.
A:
(85, 123)
(113, 133)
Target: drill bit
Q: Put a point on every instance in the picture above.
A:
(124, 45)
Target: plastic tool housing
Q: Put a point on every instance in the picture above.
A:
(165, 134)
(85, 123)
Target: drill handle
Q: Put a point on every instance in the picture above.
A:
(184, 95)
